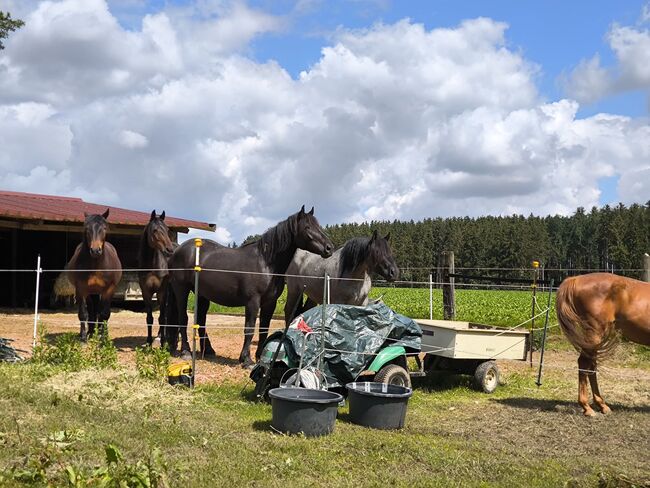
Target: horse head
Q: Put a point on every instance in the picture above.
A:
(157, 234)
(95, 229)
(310, 236)
(381, 257)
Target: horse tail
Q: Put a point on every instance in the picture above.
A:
(576, 329)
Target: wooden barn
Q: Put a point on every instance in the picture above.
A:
(32, 224)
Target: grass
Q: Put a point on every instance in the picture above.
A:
(55, 422)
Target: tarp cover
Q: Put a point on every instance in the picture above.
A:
(353, 336)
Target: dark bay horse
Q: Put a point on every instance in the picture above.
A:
(94, 270)
(155, 249)
(272, 253)
(592, 309)
(358, 258)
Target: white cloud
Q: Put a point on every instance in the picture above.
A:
(590, 81)
(393, 121)
(133, 140)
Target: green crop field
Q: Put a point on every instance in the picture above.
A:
(494, 307)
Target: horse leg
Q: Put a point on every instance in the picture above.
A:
(203, 305)
(146, 298)
(170, 332)
(161, 296)
(309, 303)
(83, 316)
(585, 365)
(93, 305)
(595, 391)
(292, 307)
(105, 309)
(266, 314)
(181, 304)
(249, 330)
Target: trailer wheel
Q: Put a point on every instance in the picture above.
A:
(392, 374)
(486, 376)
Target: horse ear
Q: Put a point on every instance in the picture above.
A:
(387, 236)
(153, 214)
(374, 235)
(311, 212)
(302, 210)
(162, 215)
(105, 214)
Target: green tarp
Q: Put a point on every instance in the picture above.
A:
(353, 336)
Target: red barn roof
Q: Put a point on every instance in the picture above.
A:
(33, 206)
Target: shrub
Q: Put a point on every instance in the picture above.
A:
(152, 363)
(68, 353)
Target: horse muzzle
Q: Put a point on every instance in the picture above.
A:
(96, 251)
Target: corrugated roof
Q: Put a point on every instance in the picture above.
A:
(33, 206)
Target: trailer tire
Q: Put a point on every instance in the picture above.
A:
(393, 374)
(486, 376)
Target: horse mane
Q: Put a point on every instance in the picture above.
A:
(278, 238)
(354, 252)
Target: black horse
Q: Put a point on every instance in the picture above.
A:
(155, 249)
(248, 279)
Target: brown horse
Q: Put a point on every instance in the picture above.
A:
(94, 270)
(155, 248)
(592, 309)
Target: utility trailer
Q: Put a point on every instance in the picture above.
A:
(471, 348)
(457, 347)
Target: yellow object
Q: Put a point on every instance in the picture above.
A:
(195, 326)
(535, 264)
(197, 268)
(180, 374)
(178, 369)
(198, 242)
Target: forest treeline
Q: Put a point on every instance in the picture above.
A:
(607, 238)
(603, 238)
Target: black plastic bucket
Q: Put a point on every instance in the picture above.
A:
(378, 405)
(312, 412)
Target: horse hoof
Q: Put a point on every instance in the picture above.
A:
(590, 413)
(605, 409)
(155, 342)
(186, 355)
(247, 364)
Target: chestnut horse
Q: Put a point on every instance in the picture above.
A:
(592, 309)
(94, 270)
(155, 248)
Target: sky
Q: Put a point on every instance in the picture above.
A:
(239, 112)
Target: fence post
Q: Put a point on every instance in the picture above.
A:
(532, 314)
(646, 268)
(38, 283)
(430, 296)
(326, 295)
(448, 288)
(195, 327)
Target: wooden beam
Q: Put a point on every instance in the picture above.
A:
(71, 227)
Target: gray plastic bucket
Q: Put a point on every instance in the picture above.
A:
(378, 405)
(312, 412)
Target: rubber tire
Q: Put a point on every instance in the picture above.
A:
(486, 376)
(393, 374)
